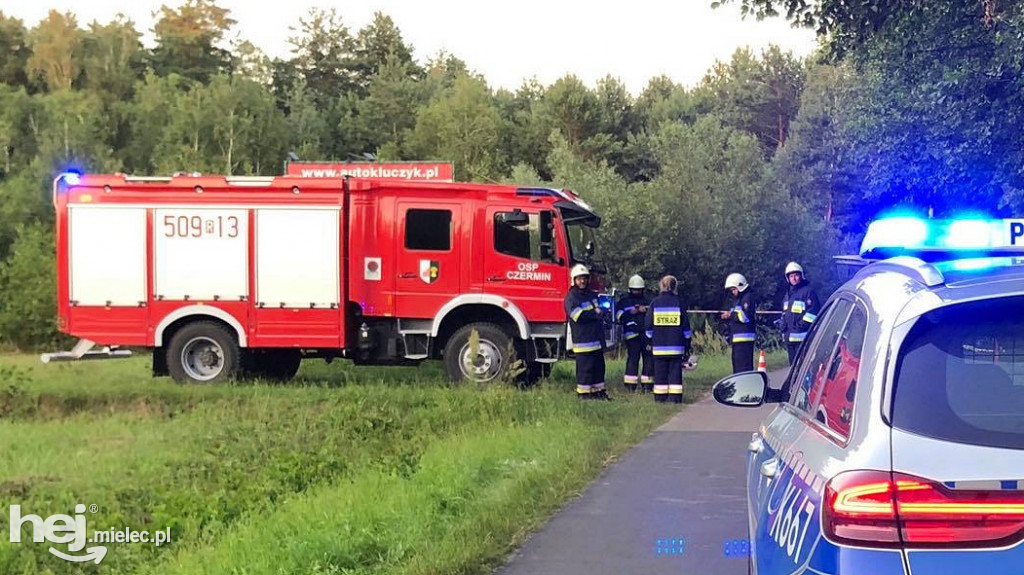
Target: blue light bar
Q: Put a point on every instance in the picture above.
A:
(900, 232)
(936, 240)
(72, 178)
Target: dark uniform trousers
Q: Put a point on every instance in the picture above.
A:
(668, 328)
(743, 333)
(590, 372)
(636, 350)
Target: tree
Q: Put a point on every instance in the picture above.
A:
(526, 136)
(112, 58)
(462, 126)
(756, 95)
(17, 146)
(252, 64)
(188, 40)
(323, 52)
(571, 108)
(388, 112)
(817, 166)
(377, 45)
(28, 313)
(14, 51)
(55, 59)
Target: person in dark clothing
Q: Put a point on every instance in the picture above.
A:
(668, 327)
(630, 312)
(742, 331)
(587, 329)
(799, 309)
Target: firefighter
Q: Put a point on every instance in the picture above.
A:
(630, 313)
(587, 329)
(742, 331)
(799, 309)
(668, 328)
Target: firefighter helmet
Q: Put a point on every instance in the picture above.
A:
(792, 267)
(736, 281)
(636, 282)
(578, 270)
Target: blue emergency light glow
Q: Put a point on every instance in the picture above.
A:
(935, 240)
(970, 234)
(896, 232)
(72, 178)
(605, 301)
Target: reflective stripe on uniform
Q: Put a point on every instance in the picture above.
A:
(586, 346)
(630, 378)
(650, 334)
(576, 313)
(742, 337)
(668, 350)
(631, 335)
(687, 334)
(741, 315)
(675, 388)
(660, 389)
(799, 306)
(582, 389)
(810, 317)
(667, 316)
(595, 387)
(796, 337)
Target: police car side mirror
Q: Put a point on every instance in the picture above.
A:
(745, 389)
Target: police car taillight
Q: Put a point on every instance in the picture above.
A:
(860, 509)
(882, 509)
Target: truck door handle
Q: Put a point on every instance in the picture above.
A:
(407, 275)
(770, 468)
(756, 444)
(495, 279)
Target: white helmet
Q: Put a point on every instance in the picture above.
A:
(736, 281)
(794, 267)
(636, 282)
(578, 270)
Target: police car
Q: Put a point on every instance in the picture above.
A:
(897, 445)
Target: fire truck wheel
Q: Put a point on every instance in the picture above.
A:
(203, 352)
(493, 355)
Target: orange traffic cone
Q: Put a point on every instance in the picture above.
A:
(762, 363)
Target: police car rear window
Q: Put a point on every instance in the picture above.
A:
(960, 374)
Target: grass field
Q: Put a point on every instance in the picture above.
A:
(344, 470)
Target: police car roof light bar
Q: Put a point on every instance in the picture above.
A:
(943, 240)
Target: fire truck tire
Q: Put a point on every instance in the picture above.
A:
(494, 355)
(203, 352)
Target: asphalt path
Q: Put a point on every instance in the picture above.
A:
(674, 504)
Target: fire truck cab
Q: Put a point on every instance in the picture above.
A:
(227, 276)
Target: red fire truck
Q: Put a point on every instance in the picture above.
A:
(227, 276)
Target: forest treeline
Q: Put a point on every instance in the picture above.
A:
(770, 158)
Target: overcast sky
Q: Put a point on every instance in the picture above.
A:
(508, 42)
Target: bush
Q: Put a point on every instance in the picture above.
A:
(28, 310)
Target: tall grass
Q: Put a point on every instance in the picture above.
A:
(345, 470)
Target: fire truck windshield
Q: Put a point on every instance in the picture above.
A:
(582, 244)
